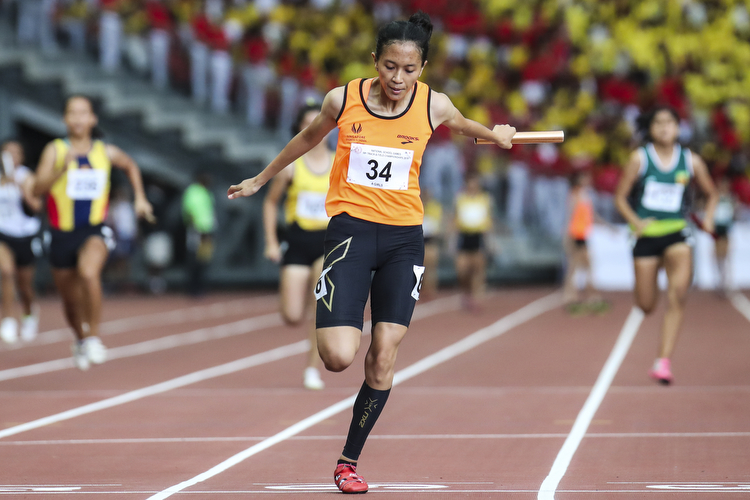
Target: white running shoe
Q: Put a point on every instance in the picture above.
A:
(79, 356)
(313, 380)
(30, 325)
(94, 350)
(9, 330)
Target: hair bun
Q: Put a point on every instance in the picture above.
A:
(422, 20)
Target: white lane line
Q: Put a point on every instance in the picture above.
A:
(174, 317)
(741, 303)
(435, 307)
(496, 329)
(381, 437)
(590, 407)
(149, 346)
(202, 335)
(191, 378)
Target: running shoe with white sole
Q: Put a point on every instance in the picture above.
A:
(80, 359)
(9, 330)
(313, 381)
(94, 350)
(30, 325)
(348, 481)
(661, 371)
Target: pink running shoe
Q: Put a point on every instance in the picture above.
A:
(347, 479)
(661, 371)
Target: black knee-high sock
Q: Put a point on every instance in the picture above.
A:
(367, 408)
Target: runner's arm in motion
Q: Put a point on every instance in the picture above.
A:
(627, 180)
(703, 179)
(443, 112)
(27, 192)
(45, 175)
(298, 146)
(123, 161)
(277, 189)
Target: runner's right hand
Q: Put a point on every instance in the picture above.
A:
(641, 226)
(273, 253)
(248, 187)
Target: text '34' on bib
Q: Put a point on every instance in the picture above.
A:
(380, 167)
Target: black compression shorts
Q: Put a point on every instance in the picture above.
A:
(366, 258)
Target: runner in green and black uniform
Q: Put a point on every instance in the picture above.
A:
(658, 174)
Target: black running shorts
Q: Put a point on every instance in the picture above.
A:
(366, 258)
(25, 250)
(65, 245)
(655, 246)
(721, 231)
(470, 242)
(305, 247)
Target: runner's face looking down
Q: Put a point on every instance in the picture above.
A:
(664, 129)
(399, 67)
(79, 117)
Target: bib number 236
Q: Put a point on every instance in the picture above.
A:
(380, 167)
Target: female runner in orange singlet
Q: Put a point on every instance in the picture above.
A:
(374, 242)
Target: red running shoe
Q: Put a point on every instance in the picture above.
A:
(347, 479)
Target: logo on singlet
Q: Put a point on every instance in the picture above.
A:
(357, 128)
(682, 177)
(407, 139)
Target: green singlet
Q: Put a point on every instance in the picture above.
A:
(662, 191)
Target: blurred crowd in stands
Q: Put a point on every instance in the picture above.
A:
(588, 67)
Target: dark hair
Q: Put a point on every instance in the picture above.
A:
(309, 106)
(644, 121)
(96, 132)
(417, 29)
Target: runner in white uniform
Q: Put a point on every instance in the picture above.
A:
(19, 245)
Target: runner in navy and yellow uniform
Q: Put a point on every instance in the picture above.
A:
(374, 242)
(658, 174)
(74, 173)
(305, 183)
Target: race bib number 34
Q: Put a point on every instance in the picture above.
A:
(662, 196)
(380, 167)
(86, 184)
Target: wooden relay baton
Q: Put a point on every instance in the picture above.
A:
(532, 137)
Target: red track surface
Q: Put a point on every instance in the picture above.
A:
(485, 423)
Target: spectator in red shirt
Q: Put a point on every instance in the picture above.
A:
(221, 67)
(258, 75)
(289, 89)
(162, 26)
(199, 57)
(110, 35)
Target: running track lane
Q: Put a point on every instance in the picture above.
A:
(446, 354)
(508, 385)
(690, 438)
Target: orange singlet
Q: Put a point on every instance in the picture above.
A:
(375, 175)
(582, 219)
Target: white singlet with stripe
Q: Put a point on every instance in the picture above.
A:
(13, 221)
